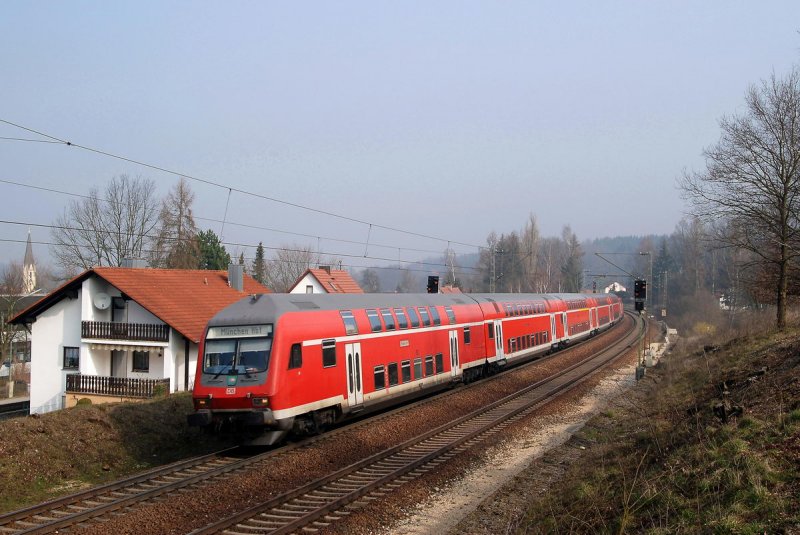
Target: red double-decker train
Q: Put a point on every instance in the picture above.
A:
(278, 363)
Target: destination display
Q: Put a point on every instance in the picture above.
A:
(240, 331)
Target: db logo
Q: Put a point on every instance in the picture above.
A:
(230, 391)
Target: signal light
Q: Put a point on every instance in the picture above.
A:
(433, 284)
(640, 289)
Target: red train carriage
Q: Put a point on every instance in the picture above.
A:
(278, 363)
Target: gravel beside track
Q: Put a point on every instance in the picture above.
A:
(194, 508)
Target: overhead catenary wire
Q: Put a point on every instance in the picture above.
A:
(284, 261)
(231, 188)
(230, 223)
(112, 232)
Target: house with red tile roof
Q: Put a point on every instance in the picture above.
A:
(115, 333)
(325, 280)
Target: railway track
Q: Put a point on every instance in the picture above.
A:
(106, 500)
(324, 501)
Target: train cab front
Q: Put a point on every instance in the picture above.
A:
(230, 390)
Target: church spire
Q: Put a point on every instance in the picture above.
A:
(28, 268)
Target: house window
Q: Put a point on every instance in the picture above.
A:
(309, 289)
(72, 358)
(295, 357)
(141, 361)
(328, 353)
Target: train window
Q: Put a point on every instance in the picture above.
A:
(435, 315)
(328, 353)
(467, 336)
(508, 309)
(393, 374)
(388, 319)
(428, 366)
(545, 336)
(402, 322)
(519, 342)
(350, 326)
(417, 368)
(296, 356)
(380, 377)
(439, 363)
(219, 356)
(374, 320)
(412, 315)
(490, 326)
(450, 315)
(511, 345)
(423, 313)
(405, 369)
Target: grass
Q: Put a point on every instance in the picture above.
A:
(665, 462)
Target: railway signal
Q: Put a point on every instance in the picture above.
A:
(639, 293)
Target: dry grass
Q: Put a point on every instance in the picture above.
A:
(45, 456)
(680, 458)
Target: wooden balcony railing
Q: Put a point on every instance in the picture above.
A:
(116, 386)
(139, 332)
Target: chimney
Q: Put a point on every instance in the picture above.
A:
(326, 269)
(133, 263)
(236, 277)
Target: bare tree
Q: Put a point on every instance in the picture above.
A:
(102, 231)
(752, 179)
(176, 246)
(530, 243)
(289, 264)
(370, 282)
(572, 262)
(11, 290)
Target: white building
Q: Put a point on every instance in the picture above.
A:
(324, 280)
(122, 333)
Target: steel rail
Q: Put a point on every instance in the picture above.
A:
(323, 501)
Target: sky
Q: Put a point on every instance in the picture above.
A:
(443, 120)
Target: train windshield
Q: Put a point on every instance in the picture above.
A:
(237, 357)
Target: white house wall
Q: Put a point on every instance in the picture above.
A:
(308, 280)
(177, 366)
(57, 327)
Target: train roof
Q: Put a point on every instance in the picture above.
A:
(253, 309)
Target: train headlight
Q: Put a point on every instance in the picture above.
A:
(260, 402)
(202, 403)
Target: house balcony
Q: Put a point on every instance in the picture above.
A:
(116, 387)
(132, 332)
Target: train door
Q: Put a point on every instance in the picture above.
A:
(454, 362)
(498, 340)
(553, 332)
(355, 385)
(564, 323)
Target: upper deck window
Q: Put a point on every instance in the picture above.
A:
(374, 320)
(450, 315)
(388, 319)
(412, 315)
(350, 325)
(435, 315)
(423, 313)
(402, 322)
